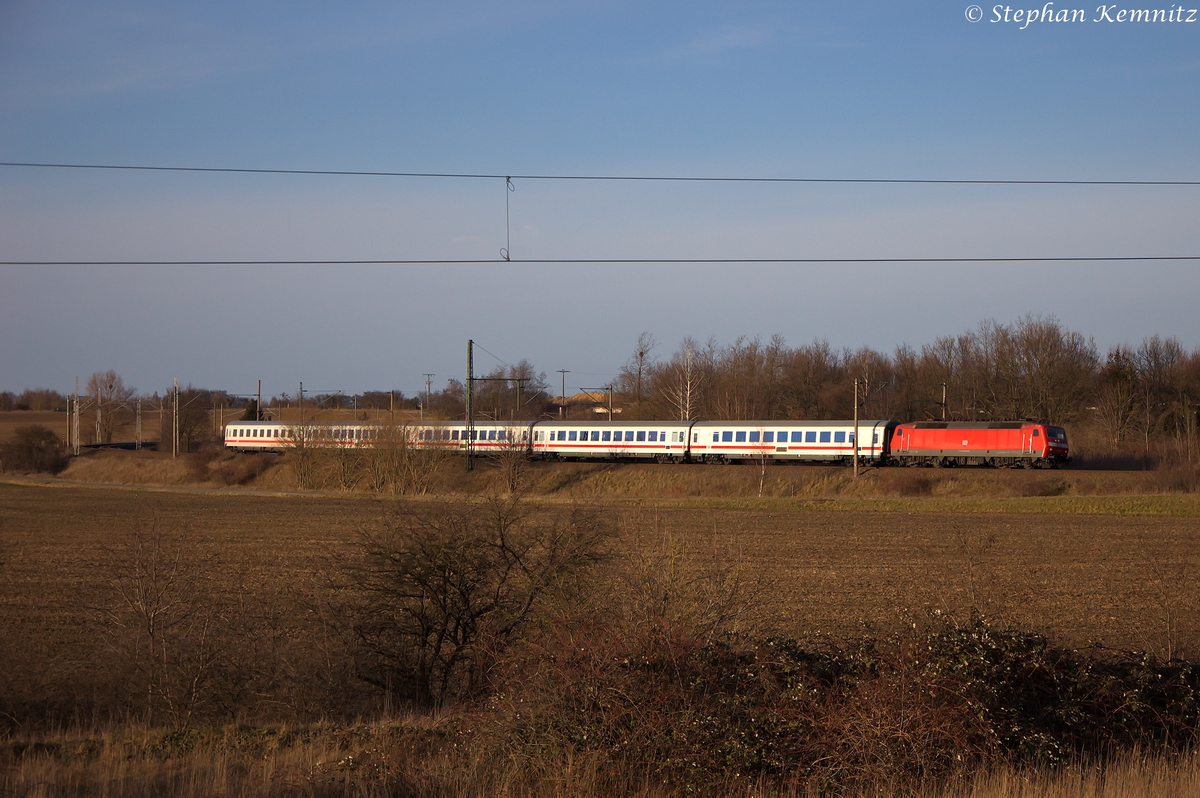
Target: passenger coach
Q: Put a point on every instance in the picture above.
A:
(812, 441)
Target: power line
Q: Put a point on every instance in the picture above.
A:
(595, 261)
(652, 178)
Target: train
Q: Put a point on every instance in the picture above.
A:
(879, 442)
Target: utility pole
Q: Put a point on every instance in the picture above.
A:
(609, 386)
(75, 431)
(428, 384)
(470, 380)
(137, 442)
(856, 427)
(175, 422)
(562, 408)
(300, 402)
(258, 413)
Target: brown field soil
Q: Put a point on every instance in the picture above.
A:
(1127, 581)
(10, 420)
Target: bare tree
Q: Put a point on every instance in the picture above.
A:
(110, 403)
(635, 372)
(682, 380)
(1117, 396)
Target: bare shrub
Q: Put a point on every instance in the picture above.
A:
(242, 469)
(441, 589)
(160, 621)
(912, 483)
(33, 448)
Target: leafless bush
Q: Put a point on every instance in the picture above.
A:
(912, 483)
(442, 588)
(33, 448)
(161, 624)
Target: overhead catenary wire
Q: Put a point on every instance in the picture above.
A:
(593, 261)
(653, 178)
(506, 253)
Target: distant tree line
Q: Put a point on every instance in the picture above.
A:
(1140, 399)
(1136, 400)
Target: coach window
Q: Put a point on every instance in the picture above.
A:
(716, 437)
(629, 435)
(571, 435)
(839, 437)
(653, 436)
(754, 436)
(606, 435)
(695, 437)
(825, 437)
(809, 437)
(768, 437)
(641, 435)
(491, 435)
(502, 434)
(741, 436)
(595, 434)
(798, 436)
(727, 436)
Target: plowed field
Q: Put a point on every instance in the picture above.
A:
(1126, 581)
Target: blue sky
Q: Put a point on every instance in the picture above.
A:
(761, 89)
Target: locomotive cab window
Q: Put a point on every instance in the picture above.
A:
(1037, 433)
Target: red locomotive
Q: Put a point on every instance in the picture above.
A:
(997, 443)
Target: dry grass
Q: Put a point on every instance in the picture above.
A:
(429, 758)
(1168, 491)
(1131, 776)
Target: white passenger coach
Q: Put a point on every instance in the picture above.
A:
(662, 441)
